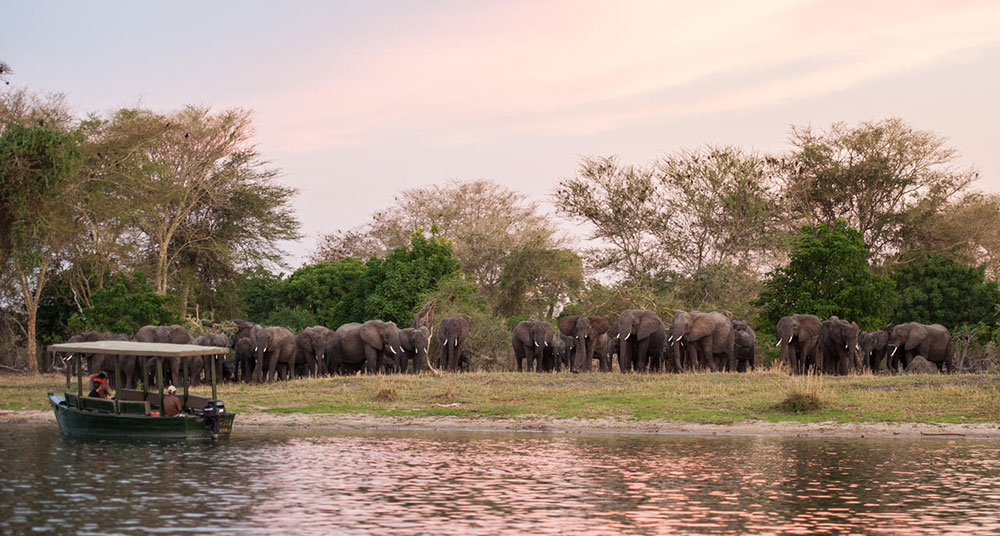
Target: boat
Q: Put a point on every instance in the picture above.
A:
(134, 413)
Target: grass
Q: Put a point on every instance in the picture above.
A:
(714, 398)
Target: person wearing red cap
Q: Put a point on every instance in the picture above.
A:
(99, 385)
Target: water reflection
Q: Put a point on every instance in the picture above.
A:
(419, 483)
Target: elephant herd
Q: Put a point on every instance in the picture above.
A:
(835, 346)
(640, 340)
(267, 353)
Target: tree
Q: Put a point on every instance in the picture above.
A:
(327, 290)
(391, 288)
(623, 206)
(199, 188)
(880, 177)
(828, 274)
(39, 176)
(713, 206)
(488, 225)
(724, 209)
(938, 290)
(967, 231)
(259, 293)
(125, 305)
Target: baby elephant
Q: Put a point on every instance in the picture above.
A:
(743, 343)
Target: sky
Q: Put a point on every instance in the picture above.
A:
(356, 101)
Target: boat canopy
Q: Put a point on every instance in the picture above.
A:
(152, 349)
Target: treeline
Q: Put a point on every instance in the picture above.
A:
(135, 217)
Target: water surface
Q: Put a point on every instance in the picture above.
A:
(280, 481)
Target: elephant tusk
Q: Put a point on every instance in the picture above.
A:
(790, 339)
(456, 341)
(846, 346)
(894, 348)
(671, 339)
(265, 348)
(546, 344)
(616, 336)
(627, 335)
(536, 344)
(778, 343)
(391, 349)
(445, 343)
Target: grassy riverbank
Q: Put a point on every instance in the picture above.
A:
(706, 398)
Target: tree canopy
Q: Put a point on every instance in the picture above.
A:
(827, 275)
(938, 290)
(881, 177)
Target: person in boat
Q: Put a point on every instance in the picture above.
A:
(172, 404)
(99, 387)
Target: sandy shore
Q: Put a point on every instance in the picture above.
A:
(588, 426)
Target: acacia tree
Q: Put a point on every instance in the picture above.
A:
(490, 228)
(881, 177)
(724, 207)
(623, 206)
(189, 173)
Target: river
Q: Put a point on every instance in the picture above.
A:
(271, 481)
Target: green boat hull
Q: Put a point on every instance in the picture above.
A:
(74, 422)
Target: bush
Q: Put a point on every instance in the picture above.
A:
(125, 305)
(828, 274)
(295, 319)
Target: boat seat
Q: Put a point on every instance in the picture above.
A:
(71, 400)
(194, 401)
(133, 407)
(131, 395)
(105, 405)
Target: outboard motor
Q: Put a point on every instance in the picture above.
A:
(213, 412)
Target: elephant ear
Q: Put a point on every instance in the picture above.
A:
(370, 334)
(567, 325)
(598, 325)
(649, 324)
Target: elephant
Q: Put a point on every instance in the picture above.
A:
(273, 346)
(197, 364)
(451, 335)
(382, 346)
(365, 347)
(933, 342)
(798, 336)
(743, 345)
(838, 346)
(569, 347)
(311, 344)
(243, 344)
(173, 334)
(708, 334)
(641, 335)
(874, 348)
(530, 339)
(590, 339)
(414, 343)
(554, 355)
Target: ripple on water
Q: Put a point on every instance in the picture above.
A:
(452, 483)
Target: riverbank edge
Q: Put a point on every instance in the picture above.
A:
(601, 426)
